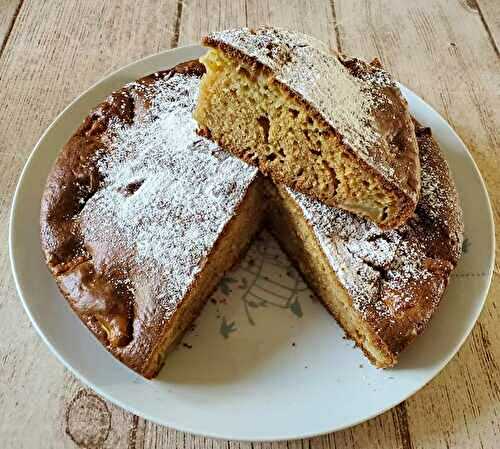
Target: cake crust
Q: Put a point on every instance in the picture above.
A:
(371, 118)
(135, 208)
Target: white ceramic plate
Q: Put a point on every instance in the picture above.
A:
(265, 361)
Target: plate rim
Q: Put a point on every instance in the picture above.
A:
(186, 427)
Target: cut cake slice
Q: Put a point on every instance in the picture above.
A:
(381, 286)
(334, 128)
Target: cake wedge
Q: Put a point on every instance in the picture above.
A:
(334, 128)
(141, 217)
(381, 286)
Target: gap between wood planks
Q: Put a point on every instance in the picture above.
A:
(474, 4)
(11, 25)
(175, 37)
(336, 26)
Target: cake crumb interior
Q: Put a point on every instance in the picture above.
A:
(295, 236)
(243, 110)
(227, 251)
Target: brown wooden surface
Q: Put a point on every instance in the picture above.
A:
(51, 50)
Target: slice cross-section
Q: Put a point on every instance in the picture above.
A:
(334, 128)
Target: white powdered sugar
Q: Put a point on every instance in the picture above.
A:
(363, 257)
(435, 196)
(350, 103)
(166, 193)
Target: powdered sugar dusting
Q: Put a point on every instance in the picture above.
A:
(363, 256)
(439, 202)
(166, 193)
(358, 100)
(435, 195)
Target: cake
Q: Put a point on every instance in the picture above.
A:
(332, 127)
(141, 217)
(381, 286)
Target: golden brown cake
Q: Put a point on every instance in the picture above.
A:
(141, 217)
(381, 286)
(334, 128)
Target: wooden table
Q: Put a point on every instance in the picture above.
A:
(51, 50)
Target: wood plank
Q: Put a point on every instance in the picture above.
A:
(55, 51)
(8, 13)
(201, 17)
(490, 13)
(445, 54)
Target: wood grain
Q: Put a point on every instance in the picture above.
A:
(8, 13)
(57, 48)
(200, 17)
(490, 13)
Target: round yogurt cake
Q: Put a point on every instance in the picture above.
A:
(141, 217)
